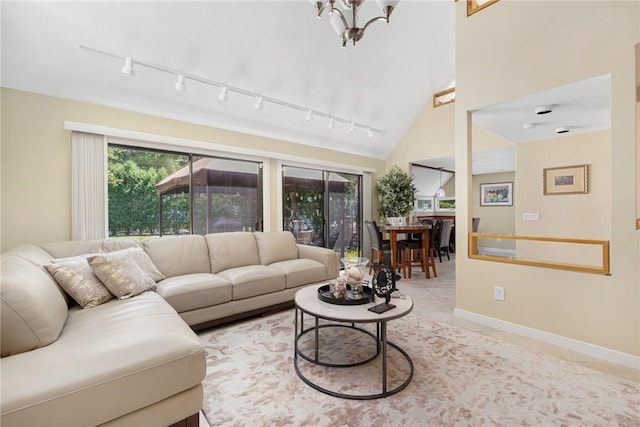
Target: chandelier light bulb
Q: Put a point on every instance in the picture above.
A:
(128, 67)
(180, 84)
(223, 93)
(309, 116)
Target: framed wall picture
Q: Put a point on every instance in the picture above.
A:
(423, 204)
(566, 180)
(445, 204)
(496, 194)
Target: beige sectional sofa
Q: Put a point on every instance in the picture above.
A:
(135, 361)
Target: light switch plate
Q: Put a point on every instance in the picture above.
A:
(531, 216)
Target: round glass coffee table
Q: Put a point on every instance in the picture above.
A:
(352, 317)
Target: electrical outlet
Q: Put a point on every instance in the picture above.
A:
(498, 293)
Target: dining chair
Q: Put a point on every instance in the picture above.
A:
(415, 252)
(434, 236)
(381, 247)
(445, 236)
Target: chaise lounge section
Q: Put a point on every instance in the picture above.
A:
(136, 360)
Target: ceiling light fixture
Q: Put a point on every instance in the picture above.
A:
(128, 67)
(180, 84)
(563, 129)
(440, 192)
(309, 116)
(223, 93)
(543, 109)
(225, 89)
(529, 125)
(331, 122)
(369, 133)
(258, 104)
(348, 29)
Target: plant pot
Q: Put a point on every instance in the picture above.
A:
(396, 220)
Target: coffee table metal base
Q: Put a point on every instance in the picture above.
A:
(380, 338)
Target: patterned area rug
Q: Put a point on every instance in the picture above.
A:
(461, 378)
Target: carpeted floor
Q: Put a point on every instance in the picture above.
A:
(461, 378)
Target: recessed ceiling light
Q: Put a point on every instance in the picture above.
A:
(543, 109)
(562, 129)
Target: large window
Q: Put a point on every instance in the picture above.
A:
(323, 208)
(154, 192)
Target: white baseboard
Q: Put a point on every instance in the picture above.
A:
(592, 350)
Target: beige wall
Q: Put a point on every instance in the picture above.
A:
(494, 219)
(502, 53)
(36, 161)
(429, 137)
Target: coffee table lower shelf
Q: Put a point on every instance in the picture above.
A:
(381, 341)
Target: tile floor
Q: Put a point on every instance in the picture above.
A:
(435, 299)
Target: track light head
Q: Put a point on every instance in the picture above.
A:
(331, 123)
(181, 84)
(352, 126)
(259, 103)
(309, 116)
(223, 93)
(128, 67)
(369, 133)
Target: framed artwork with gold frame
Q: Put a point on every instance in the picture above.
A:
(566, 180)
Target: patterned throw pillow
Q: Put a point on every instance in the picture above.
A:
(121, 274)
(142, 259)
(76, 277)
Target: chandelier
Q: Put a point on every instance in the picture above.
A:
(350, 31)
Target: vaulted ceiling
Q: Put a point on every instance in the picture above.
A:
(277, 49)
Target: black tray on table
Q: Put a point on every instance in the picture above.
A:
(325, 295)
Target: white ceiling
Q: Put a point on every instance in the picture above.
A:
(275, 48)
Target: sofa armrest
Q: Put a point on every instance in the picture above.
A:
(329, 258)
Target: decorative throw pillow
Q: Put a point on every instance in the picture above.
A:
(121, 274)
(76, 277)
(142, 259)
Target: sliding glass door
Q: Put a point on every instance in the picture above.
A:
(323, 208)
(155, 192)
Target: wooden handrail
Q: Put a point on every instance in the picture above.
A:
(473, 6)
(438, 95)
(603, 269)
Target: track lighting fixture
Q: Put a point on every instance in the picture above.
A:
(128, 67)
(259, 103)
(223, 93)
(181, 85)
(369, 133)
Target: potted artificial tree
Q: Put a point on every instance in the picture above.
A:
(396, 195)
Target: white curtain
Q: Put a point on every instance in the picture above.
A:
(88, 186)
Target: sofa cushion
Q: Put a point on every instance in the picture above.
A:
(109, 361)
(70, 248)
(253, 280)
(179, 255)
(121, 274)
(76, 277)
(300, 272)
(231, 250)
(193, 291)
(275, 246)
(32, 253)
(32, 312)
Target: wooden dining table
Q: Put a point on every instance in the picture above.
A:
(394, 230)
